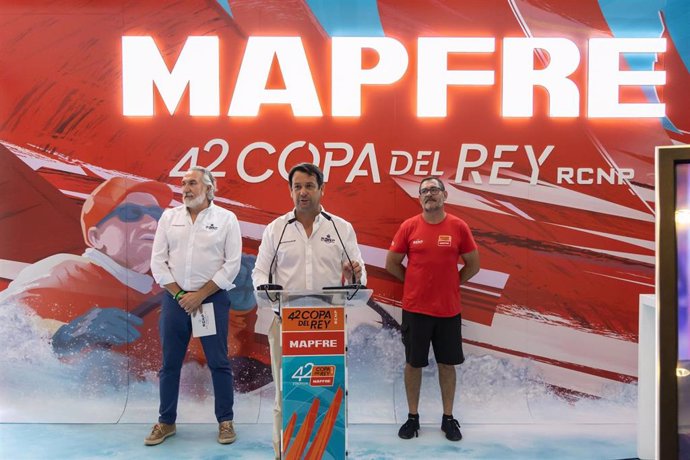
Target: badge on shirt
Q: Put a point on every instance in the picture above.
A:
(211, 227)
(327, 239)
(444, 240)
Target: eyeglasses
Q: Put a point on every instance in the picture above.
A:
(130, 212)
(429, 191)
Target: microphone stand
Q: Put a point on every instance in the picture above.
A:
(355, 285)
(270, 286)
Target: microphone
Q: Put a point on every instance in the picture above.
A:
(355, 284)
(270, 286)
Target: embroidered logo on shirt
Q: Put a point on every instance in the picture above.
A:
(444, 240)
(417, 241)
(327, 239)
(211, 227)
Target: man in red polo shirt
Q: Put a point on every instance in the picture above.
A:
(434, 243)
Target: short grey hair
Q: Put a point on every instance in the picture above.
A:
(208, 179)
(436, 178)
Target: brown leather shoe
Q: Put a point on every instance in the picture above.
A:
(158, 434)
(226, 432)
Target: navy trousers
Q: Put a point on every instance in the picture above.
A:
(175, 327)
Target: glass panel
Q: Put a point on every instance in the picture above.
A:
(682, 214)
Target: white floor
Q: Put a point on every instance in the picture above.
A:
(366, 441)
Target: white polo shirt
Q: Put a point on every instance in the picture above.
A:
(306, 263)
(191, 254)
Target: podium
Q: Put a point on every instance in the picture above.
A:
(313, 375)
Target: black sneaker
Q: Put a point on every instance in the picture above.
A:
(451, 427)
(410, 428)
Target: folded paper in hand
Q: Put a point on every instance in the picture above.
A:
(203, 321)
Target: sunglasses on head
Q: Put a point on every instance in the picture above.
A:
(130, 212)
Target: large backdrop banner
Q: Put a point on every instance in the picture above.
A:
(541, 117)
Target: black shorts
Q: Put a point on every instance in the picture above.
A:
(419, 331)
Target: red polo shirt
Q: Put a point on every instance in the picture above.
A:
(432, 284)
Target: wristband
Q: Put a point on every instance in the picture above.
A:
(179, 294)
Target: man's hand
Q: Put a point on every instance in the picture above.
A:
(100, 326)
(191, 301)
(348, 269)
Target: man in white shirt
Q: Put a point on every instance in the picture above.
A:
(196, 257)
(310, 256)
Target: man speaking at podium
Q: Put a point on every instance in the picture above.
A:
(305, 249)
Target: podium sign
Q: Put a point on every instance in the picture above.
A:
(313, 382)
